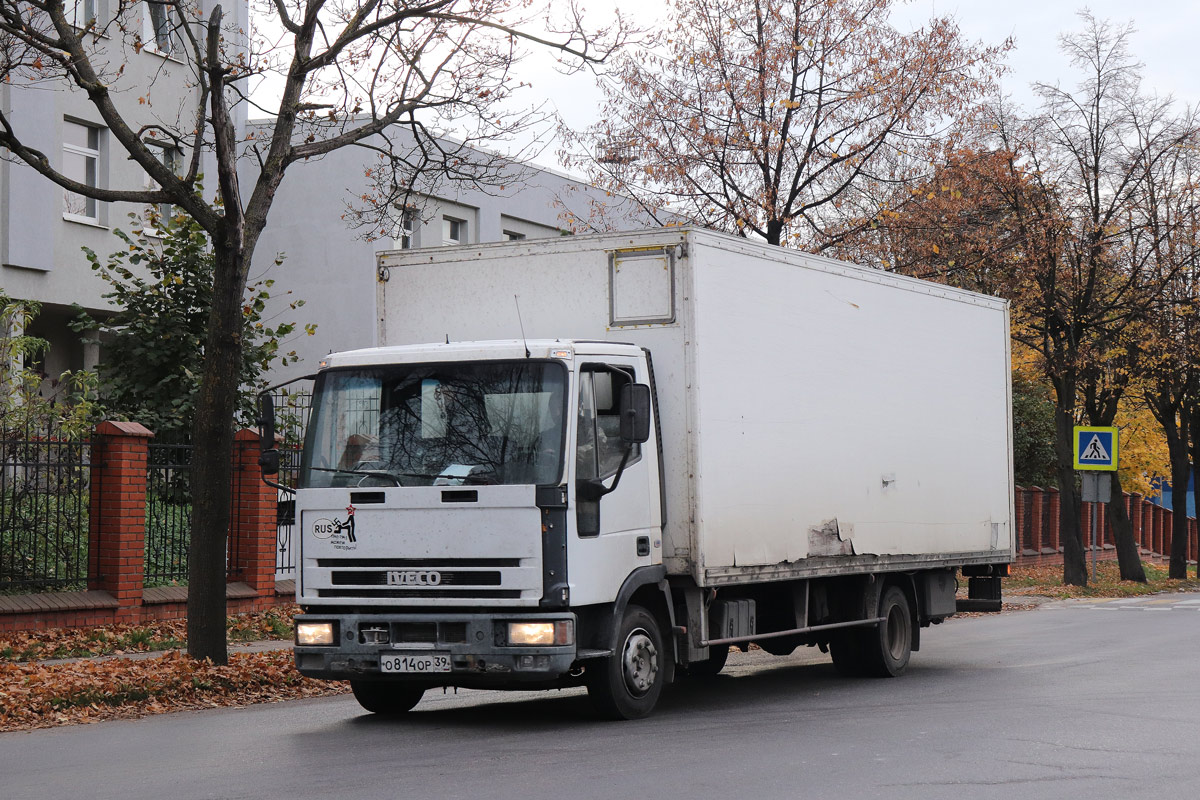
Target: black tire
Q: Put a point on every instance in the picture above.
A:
(847, 652)
(627, 684)
(780, 646)
(386, 698)
(888, 646)
(711, 666)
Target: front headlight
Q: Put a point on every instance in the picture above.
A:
(311, 633)
(542, 634)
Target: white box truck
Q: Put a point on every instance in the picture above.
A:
(603, 460)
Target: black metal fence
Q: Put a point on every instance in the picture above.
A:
(44, 496)
(46, 481)
(168, 512)
(292, 412)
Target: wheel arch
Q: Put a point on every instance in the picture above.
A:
(647, 587)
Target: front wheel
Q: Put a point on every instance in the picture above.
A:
(386, 698)
(627, 684)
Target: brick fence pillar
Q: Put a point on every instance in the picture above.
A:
(1133, 505)
(117, 511)
(252, 528)
(1148, 526)
(1019, 494)
(1085, 525)
(1193, 548)
(1037, 518)
(1163, 530)
(1054, 523)
(1105, 526)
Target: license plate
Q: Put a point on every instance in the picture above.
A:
(409, 662)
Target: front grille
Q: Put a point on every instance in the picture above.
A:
(425, 578)
(414, 632)
(419, 563)
(380, 578)
(428, 632)
(403, 593)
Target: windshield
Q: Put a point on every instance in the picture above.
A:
(437, 425)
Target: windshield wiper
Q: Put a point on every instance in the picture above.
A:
(484, 478)
(473, 479)
(370, 473)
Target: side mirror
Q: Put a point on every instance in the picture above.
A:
(266, 422)
(635, 413)
(268, 457)
(269, 461)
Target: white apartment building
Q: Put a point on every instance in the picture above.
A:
(327, 262)
(44, 228)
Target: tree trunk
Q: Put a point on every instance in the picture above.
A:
(774, 231)
(1129, 560)
(1177, 448)
(212, 433)
(1074, 558)
(1193, 412)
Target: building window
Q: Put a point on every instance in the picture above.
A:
(405, 229)
(454, 231)
(81, 163)
(81, 13)
(513, 236)
(171, 158)
(158, 32)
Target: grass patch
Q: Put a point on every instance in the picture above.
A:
(1047, 581)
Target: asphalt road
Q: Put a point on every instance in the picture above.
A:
(1069, 700)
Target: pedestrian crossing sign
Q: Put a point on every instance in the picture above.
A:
(1096, 448)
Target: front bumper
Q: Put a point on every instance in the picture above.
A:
(475, 644)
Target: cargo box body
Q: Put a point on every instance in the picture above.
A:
(817, 418)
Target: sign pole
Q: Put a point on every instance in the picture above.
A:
(1095, 515)
(1096, 453)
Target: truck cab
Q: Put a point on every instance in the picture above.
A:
(482, 515)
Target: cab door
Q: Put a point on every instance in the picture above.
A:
(615, 503)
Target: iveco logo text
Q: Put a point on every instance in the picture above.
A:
(414, 578)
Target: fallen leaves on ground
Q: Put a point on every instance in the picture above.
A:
(138, 638)
(1047, 580)
(37, 695)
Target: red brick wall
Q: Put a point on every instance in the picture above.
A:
(1039, 540)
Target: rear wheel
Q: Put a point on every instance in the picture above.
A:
(386, 698)
(627, 684)
(888, 646)
(847, 653)
(882, 650)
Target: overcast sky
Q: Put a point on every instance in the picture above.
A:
(1165, 41)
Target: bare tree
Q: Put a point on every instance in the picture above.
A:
(1172, 386)
(775, 118)
(345, 71)
(1054, 212)
(1087, 277)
